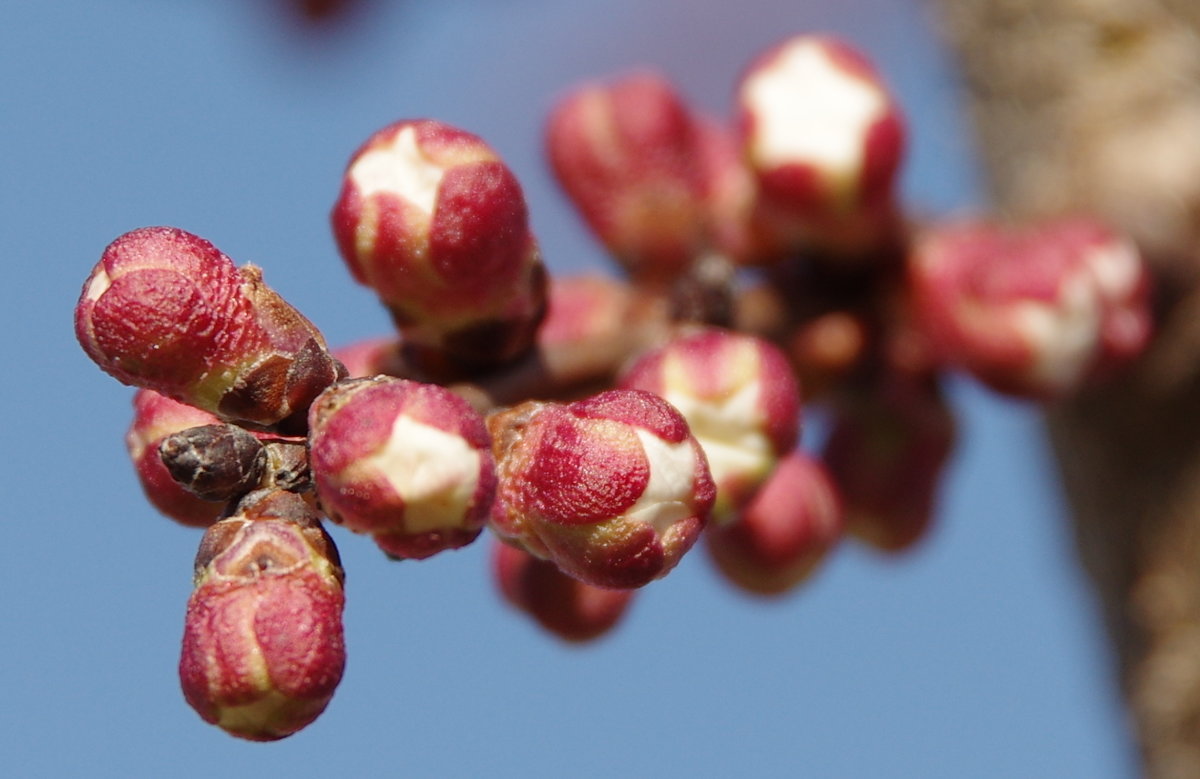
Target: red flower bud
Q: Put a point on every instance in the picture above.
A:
(432, 219)
(613, 489)
(740, 399)
(262, 644)
(783, 533)
(886, 453)
(154, 418)
(1034, 313)
(626, 155)
(566, 607)
(409, 464)
(166, 311)
(825, 139)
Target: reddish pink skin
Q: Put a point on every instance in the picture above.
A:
(705, 357)
(154, 418)
(293, 620)
(353, 420)
(174, 311)
(626, 155)
(886, 454)
(785, 531)
(570, 609)
(477, 249)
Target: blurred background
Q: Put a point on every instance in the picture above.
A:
(979, 654)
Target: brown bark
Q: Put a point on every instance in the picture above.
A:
(1095, 105)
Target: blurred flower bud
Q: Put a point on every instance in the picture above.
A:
(432, 220)
(166, 311)
(566, 607)
(886, 453)
(216, 462)
(739, 398)
(613, 489)
(783, 533)
(262, 643)
(371, 357)
(825, 139)
(154, 418)
(625, 153)
(410, 464)
(1034, 313)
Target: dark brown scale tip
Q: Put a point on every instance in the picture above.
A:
(214, 462)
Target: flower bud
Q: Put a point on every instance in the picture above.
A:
(407, 463)
(154, 418)
(566, 607)
(217, 462)
(739, 398)
(613, 489)
(166, 311)
(432, 220)
(886, 452)
(262, 644)
(825, 139)
(783, 533)
(1034, 313)
(626, 155)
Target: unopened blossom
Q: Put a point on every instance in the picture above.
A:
(407, 463)
(155, 417)
(625, 152)
(825, 139)
(887, 451)
(165, 310)
(263, 645)
(568, 608)
(613, 489)
(1034, 312)
(779, 538)
(432, 219)
(739, 397)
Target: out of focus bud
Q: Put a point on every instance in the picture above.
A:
(786, 530)
(216, 462)
(626, 155)
(613, 489)
(262, 644)
(566, 607)
(166, 311)
(825, 138)
(154, 418)
(886, 453)
(410, 464)
(432, 219)
(1034, 313)
(371, 357)
(739, 398)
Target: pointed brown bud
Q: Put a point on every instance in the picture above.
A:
(215, 462)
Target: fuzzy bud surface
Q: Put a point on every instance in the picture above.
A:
(614, 489)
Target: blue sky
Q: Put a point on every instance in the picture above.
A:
(978, 655)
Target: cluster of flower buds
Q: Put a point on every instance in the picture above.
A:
(568, 608)
(409, 464)
(165, 310)
(740, 399)
(432, 219)
(263, 648)
(1032, 312)
(613, 489)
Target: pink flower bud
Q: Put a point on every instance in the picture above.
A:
(410, 464)
(626, 155)
(786, 530)
(370, 357)
(154, 418)
(566, 607)
(166, 311)
(886, 453)
(613, 489)
(825, 139)
(1033, 313)
(262, 643)
(432, 219)
(740, 399)
(731, 197)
